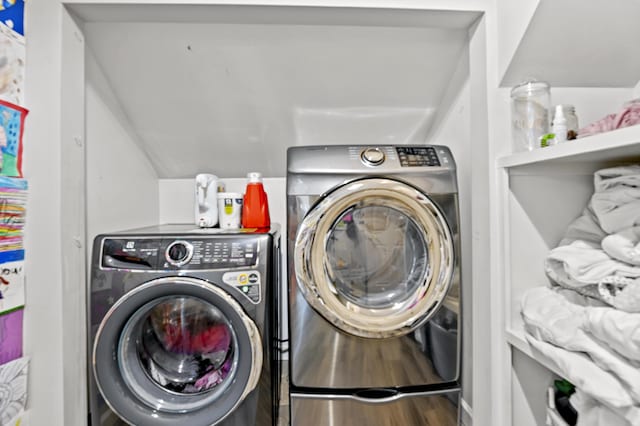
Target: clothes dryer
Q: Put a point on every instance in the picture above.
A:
(374, 285)
(181, 322)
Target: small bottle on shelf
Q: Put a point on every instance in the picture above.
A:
(569, 112)
(559, 128)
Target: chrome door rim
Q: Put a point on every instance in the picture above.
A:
(319, 291)
(197, 284)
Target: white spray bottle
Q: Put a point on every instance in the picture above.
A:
(206, 202)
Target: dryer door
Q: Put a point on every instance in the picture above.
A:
(176, 350)
(375, 258)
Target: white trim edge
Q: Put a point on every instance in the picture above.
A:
(466, 413)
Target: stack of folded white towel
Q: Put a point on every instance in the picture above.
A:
(596, 348)
(588, 322)
(600, 254)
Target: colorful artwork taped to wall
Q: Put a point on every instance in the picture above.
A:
(12, 65)
(11, 128)
(12, 15)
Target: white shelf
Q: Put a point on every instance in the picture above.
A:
(573, 43)
(517, 340)
(605, 147)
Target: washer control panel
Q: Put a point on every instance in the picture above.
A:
(179, 253)
(171, 254)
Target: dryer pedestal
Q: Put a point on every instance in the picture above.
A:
(414, 409)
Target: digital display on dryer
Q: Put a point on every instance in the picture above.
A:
(417, 156)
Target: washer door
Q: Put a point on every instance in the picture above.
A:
(375, 258)
(175, 350)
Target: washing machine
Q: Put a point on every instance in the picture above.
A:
(181, 322)
(374, 285)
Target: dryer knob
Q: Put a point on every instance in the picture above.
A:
(373, 156)
(179, 253)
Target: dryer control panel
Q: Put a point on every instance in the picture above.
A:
(179, 253)
(418, 156)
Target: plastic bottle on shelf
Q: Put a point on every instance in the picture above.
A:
(569, 112)
(255, 209)
(559, 125)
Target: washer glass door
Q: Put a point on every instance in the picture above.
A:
(375, 257)
(176, 348)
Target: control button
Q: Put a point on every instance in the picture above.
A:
(373, 156)
(179, 253)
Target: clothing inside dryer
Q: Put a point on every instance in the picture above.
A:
(376, 256)
(186, 345)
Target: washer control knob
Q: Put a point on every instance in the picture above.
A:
(373, 156)
(179, 253)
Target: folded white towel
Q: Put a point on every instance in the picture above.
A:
(617, 209)
(548, 316)
(593, 413)
(585, 228)
(616, 201)
(617, 177)
(619, 330)
(621, 292)
(586, 264)
(624, 245)
(580, 370)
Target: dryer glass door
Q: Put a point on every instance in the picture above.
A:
(176, 349)
(375, 258)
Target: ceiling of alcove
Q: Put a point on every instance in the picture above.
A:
(230, 96)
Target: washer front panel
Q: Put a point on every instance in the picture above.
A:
(176, 349)
(398, 269)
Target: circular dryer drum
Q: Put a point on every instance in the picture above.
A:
(375, 258)
(176, 349)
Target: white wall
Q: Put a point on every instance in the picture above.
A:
(513, 18)
(42, 167)
(44, 324)
(591, 103)
(122, 186)
(454, 131)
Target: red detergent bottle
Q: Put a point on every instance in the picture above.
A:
(255, 208)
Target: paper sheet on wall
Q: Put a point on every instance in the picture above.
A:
(12, 65)
(12, 119)
(13, 200)
(11, 280)
(13, 391)
(12, 15)
(11, 335)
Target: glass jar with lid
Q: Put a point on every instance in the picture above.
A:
(529, 114)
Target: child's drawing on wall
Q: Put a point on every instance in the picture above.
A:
(11, 128)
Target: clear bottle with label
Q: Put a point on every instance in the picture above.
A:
(559, 126)
(530, 103)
